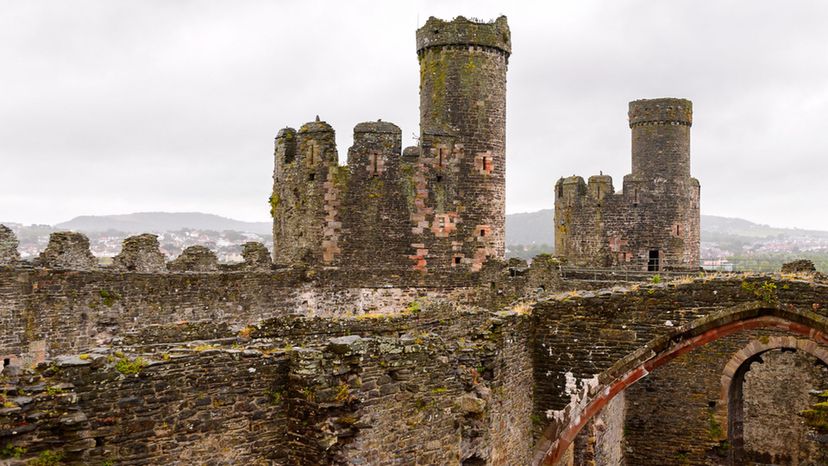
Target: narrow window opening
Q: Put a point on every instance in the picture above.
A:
(311, 176)
(635, 197)
(439, 178)
(653, 262)
(678, 230)
(373, 164)
(456, 259)
(487, 164)
(312, 155)
(6, 362)
(440, 157)
(482, 232)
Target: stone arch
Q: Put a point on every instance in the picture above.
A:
(597, 392)
(733, 378)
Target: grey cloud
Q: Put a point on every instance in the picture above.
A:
(125, 106)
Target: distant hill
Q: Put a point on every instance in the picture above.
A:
(531, 228)
(538, 228)
(713, 225)
(521, 228)
(159, 222)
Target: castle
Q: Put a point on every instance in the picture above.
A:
(436, 207)
(388, 329)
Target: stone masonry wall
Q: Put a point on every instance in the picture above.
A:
(409, 392)
(775, 390)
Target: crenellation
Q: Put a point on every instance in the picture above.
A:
(141, 253)
(196, 259)
(256, 257)
(67, 250)
(8, 246)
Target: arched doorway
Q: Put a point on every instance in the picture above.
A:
(764, 386)
(564, 425)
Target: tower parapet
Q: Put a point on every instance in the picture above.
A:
(461, 31)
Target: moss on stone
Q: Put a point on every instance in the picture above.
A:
(130, 367)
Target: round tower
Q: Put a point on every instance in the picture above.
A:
(463, 127)
(661, 138)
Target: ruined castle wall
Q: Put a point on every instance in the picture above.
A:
(580, 335)
(410, 390)
(587, 331)
(208, 406)
(672, 415)
(47, 312)
(512, 401)
(375, 208)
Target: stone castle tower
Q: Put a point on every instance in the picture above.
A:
(653, 224)
(436, 207)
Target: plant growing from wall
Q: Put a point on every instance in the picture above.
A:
(12, 451)
(108, 298)
(127, 367)
(817, 417)
(47, 458)
(765, 292)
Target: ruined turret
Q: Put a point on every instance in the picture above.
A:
(653, 223)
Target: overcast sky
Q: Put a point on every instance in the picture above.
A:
(125, 106)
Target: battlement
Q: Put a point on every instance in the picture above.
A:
(69, 250)
(464, 32)
(663, 111)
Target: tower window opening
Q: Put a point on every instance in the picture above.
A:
(440, 157)
(373, 164)
(439, 178)
(311, 176)
(457, 259)
(678, 230)
(312, 155)
(6, 362)
(482, 232)
(653, 261)
(487, 164)
(635, 196)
